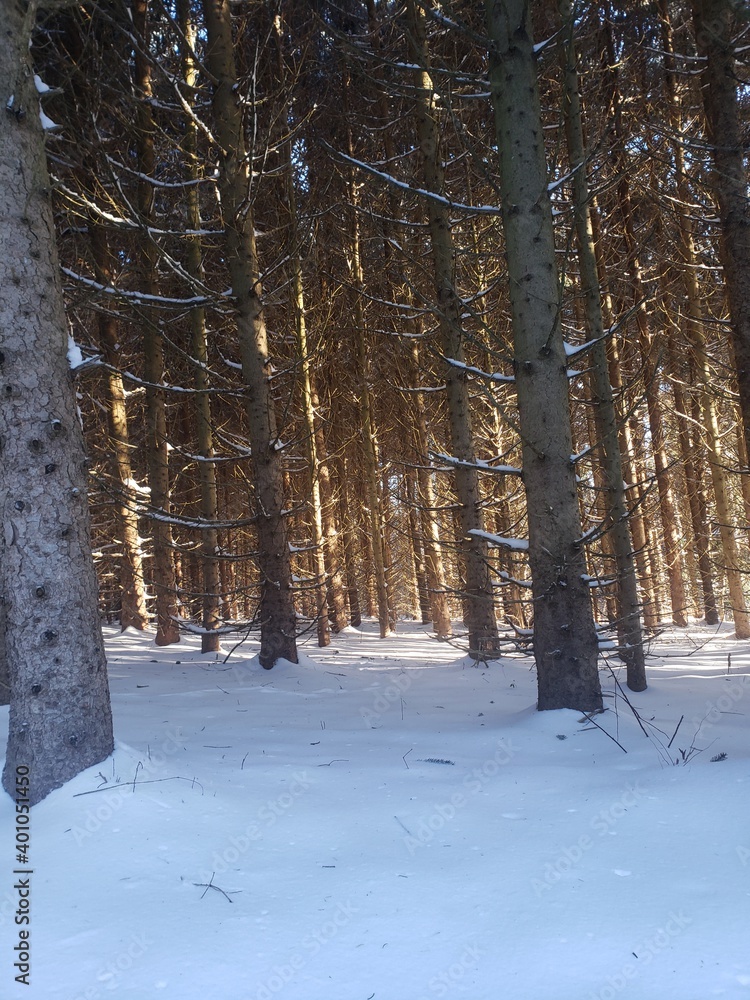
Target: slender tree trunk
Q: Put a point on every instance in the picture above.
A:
(649, 361)
(627, 449)
(713, 21)
(349, 545)
(373, 500)
(477, 590)
(60, 720)
(696, 501)
(334, 557)
(565, 641)
(133, 611)
(616, 515)
(435, 573)
(157, 447)
(277, 615)
(211, 579)
(697, 339)
(305, 374)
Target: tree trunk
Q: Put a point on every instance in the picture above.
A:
(373, 501)
(697, 339)
(277, 615)
(349, 545)
(696, 500)
(565, 641)
(157, 446)
(211, 579)
(616, 515)
(713, 21)
(60, 720)
(649, 359)
(133, 611)
(477, 590)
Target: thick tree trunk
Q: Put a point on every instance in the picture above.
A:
(4, 675)
(565, 642)
(616, 515)
(277, 615)
(60, 721)
(713, 21)
(477, 590)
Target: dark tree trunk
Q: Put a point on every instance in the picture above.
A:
(565, 642)
(60, 721)
(277, 615)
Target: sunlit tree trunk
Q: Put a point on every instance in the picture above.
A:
(477, 591)
(211, 580)
(649, 359)
(696, 337)
(369, 440)
(616, 515)
(713, 22)
(349, 544)
(565, 641)
(297, 293)
(277, 614)
(133, 611)
(157, 443)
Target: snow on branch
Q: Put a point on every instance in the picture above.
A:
(457, 463)
(517, 544)
(402, 185)
(491, 376)
(135, 296)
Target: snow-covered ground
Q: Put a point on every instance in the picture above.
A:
(388, 821)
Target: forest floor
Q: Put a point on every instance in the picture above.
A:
(389, 821)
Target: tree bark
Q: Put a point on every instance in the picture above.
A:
(277, 615)
(565, 641)
(133, 610)
(616, 515)
(649, 358)
(476, 588)
(60, 720)
(157, 442)
(211, 577)
(713, 21)
(696, 337)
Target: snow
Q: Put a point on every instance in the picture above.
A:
(519, 544)
(389, 820)
(75, 357)
(47, 124)
(41, 86)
